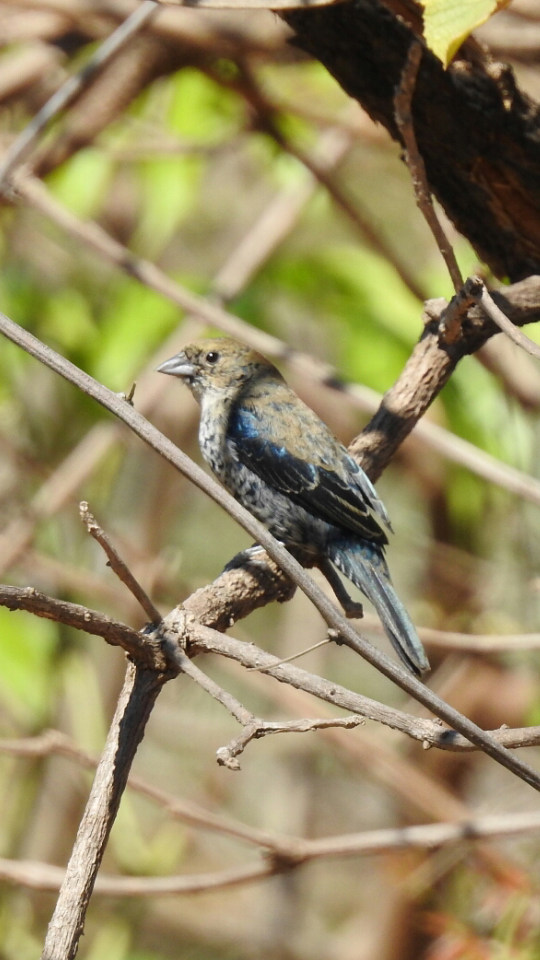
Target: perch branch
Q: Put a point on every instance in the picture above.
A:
(276, 551)
(199, 638)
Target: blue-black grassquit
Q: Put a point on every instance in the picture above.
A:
(284, 465)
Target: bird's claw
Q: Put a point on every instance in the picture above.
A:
(249, 555)
(353, 610)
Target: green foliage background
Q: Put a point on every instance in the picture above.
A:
(179, 178)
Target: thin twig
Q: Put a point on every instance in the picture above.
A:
(294, 656)
(226, 699)
(20, 149)
(404, 120)
(199, 638)
(432, 836)
(117, 565)
(227, 756)
(475, 288)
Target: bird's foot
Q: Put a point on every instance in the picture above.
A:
(252, 554)
(352, 609)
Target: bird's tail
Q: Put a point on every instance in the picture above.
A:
(363, 563)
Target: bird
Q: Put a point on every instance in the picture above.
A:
(281, 461)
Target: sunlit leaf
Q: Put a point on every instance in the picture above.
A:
(447, 23)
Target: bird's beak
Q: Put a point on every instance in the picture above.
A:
(177, 366)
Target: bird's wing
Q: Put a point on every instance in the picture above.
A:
(343, 495)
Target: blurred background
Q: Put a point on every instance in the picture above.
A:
(215, 150)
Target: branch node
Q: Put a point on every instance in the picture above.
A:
(480, 294)
(128, 397)
(452, 317)
(225, 760)
(283, 860)
(335, 636)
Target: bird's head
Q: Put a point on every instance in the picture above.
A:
(219, 366)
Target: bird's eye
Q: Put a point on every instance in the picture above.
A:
(212, 357)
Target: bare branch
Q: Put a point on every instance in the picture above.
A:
(117, 564)
(431, 733)
(20, 149)
(454, 314)
(227, 756)
(140, 647)
(150, 648)
(42, 876)
(226, 699)
(141, 687)
(426, 372)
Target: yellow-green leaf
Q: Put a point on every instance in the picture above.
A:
(447, 23)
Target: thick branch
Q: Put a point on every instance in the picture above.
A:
(477, 133)
(429, 368)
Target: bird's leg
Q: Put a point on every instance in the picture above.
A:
(353, 610)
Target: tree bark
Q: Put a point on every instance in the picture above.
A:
(478, 134)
